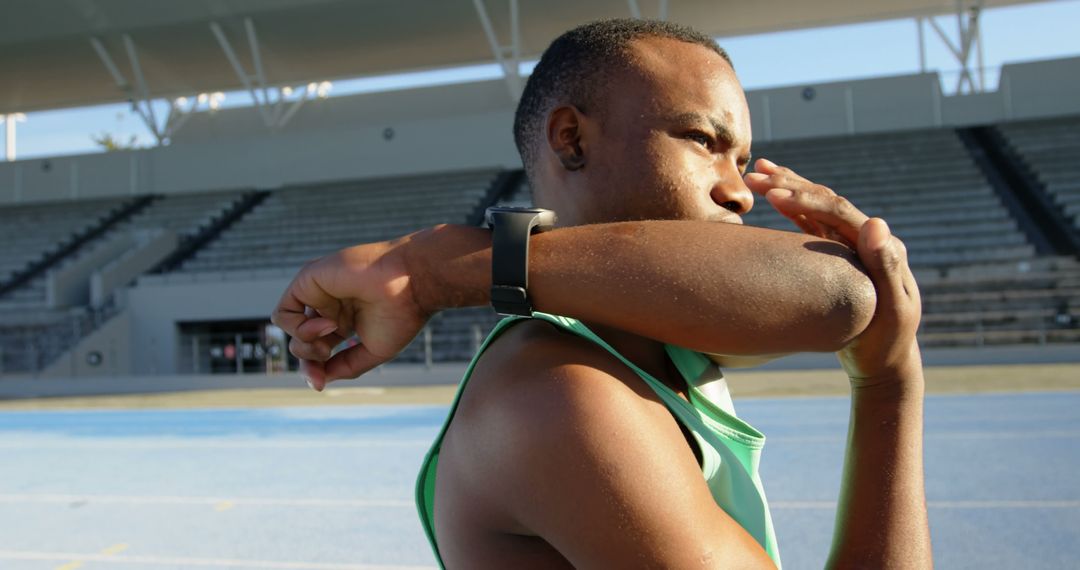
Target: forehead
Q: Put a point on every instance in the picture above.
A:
(670, 77)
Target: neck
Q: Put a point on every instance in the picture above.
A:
(649, 355)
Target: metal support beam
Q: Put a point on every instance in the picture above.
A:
(299, 102)
(921, 28)
(142, 91)
(103, 54)
(511, 65)
(241, 73)
(256, 57)
(138, 94)
(272, 103)
(969, 41)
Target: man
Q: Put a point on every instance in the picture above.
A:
(582, 442)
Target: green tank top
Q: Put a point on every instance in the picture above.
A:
(730, 448)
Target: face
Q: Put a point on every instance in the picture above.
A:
(672, 142)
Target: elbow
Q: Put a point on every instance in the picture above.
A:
(849, 300)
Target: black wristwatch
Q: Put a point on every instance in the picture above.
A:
(511, 228)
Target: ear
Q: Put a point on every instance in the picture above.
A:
(564, 136)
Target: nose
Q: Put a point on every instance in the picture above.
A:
(731, 192)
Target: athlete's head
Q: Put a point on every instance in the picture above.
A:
(635, 119)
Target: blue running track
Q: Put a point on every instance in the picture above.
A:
(330, 488)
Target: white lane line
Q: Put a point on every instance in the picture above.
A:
(75, 564)
(408, 504)
(205, 562)
(196, 444)
(959, 435)
(814, 505)
(212, 501)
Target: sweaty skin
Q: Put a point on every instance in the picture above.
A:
(560, 456)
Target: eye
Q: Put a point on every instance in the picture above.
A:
(700, 138)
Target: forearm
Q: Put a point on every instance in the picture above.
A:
(711, 287)
(881, 519)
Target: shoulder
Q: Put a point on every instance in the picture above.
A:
(546, 405)
(544, 374)
(556, 438)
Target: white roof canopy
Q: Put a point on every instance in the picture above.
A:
(64, 53)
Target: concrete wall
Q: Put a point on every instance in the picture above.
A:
(467, 126)
(152, 248)
(69, 286)
(157, 306)
(112, 344)
(1041, 89)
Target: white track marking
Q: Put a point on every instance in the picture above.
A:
(409, 504)
(203, 562)
(212, 444)
(815, 505)
(126, 443)
(211, 501)
(957, 435)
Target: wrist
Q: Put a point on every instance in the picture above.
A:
(449, 267)
(904, 372)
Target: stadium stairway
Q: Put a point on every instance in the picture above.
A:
(1043, 222)
(1050, 149)
(35, 238)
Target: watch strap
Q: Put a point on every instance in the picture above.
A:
(510, 262)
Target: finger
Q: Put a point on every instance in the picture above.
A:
(314, 373)
(781, 177)
(289, 313)
(303, 292)
(758, 182)
(810, 226)
(835, 212)
(321, 349)
(884, 260)
(805, 225)
(351, 363)
(315, 328)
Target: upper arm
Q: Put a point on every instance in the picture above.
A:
(587, 459)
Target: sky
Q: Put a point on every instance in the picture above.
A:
(1028, 32)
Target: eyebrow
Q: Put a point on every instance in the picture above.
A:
(723, 133)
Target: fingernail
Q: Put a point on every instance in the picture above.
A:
(757, 176)
(310, 383)
(327, 331)
(767, 162)
(782, 193)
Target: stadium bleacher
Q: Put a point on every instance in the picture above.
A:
(32, 332)
(295, 225)
(981, 280)
(1051, 148)
(30, 233)
(922, 182)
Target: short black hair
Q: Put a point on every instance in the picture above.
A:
(576, 66)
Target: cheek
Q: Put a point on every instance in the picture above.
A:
(688, 178)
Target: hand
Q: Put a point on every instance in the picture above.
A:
(887, 349)
(816, 209)
(364, 290)
(886, 352)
